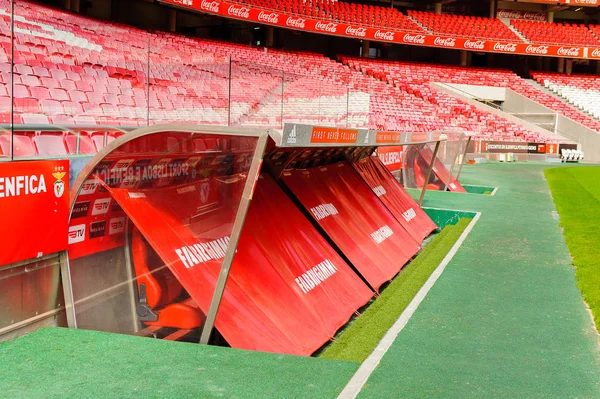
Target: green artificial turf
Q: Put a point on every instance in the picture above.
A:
(359, 339)
(576, 194)
(506, 318)
(478, 189)
(60, 363)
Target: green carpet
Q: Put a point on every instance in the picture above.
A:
(61, 363)
(506, 318)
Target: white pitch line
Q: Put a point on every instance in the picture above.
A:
(365, 370)
(494, 192)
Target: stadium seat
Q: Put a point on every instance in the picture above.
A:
(23, 146)
(86, 145)
(49, 144)
(159, 291)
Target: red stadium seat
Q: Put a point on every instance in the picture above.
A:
(86, 145)
(22, 145)
(49, 145)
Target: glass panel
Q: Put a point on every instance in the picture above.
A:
(72, 71)
(6, 43)
(187, 84)
(150, 228)
(256, 95)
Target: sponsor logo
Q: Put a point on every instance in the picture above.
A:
(384, 35)
(296, 22)
(211, 6)
(358, 32)
(452, 186)
(585, 2)
(535, 16)
(271, 18)
(326, 27)
(89, 187)
(409, 214)
(416, 39)
(184, 190)
(445, 42)
(193, 255)
(322, 211)
(137, 195)
(531, 49)
(15, 186)
(596, 52)
(568, 51)
(98, 229)
(505, 47)
(510, 14)
(101, 206)
(80, 209)
(116, 225)
(474, 45)
(240, 12)
(379, 191)
(291, 139)
(382, 234)
(315, 276)
(76, 233)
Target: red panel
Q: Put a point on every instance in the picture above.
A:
(440, 170)
(361, 226)
(34, 209)
(395, 198)
(264, 306)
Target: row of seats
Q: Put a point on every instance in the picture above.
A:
(557, 33)
(464, 26)
(581, 91)
(53, 144)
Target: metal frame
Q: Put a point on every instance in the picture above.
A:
(260, 134)
(464, 157)
(429, 171)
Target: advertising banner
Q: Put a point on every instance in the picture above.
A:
(279, 19)
(34, 208)
(391, 157)
(522, 15)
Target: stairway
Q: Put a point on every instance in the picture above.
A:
(506, 22)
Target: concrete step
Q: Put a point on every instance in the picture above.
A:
(517, 32)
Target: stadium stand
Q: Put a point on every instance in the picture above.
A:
(556, 33)
(464, 26)
(582, 91)
(76, 70)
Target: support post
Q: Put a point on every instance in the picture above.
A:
(561, 65)
(598, 67)
(464, 157)
(569, 66)
(366, 46)
(270, 36)
(67, 285)
(435, 151)
(172, 20)
(493, 8)
(463, 58)
(76, 6)
(550, 16)
(235, 237)
(229, 95)
(438, 8)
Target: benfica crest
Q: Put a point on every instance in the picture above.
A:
(59, 185)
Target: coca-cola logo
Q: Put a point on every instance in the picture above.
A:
(326, 27)
(510, 14)
(568, 51)
(417, 39)
(445, 42)
(583, 2)
(271, 18)
(296, 22)
(474, 45)
(531, 49)
(535, 16)
(212, 6)
(505, 47)
(358, 32)
(240, 12)
(384, 35)
(596, 53)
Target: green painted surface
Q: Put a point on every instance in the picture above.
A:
(445, 217)
(576, 193)
(57, 363)
(472, 189)
(506, 318)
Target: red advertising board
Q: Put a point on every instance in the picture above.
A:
(522, 15)
(328, 27)
(391, 157)
(34, 208)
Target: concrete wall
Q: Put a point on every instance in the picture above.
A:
(489, 93)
